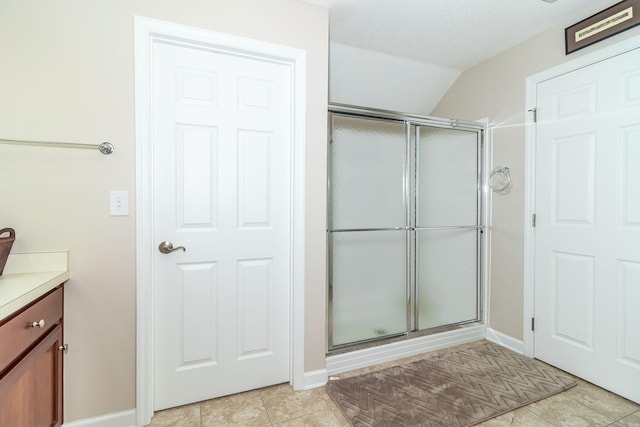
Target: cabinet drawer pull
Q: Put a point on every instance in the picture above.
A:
(39, 324)
(64, 348)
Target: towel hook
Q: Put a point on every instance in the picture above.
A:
(500, 179)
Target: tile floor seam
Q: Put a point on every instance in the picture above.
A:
(265, 408)
(575, 399)
(622, 417)
(576, 403)
(636, 411)
(303, 416)
(264, 405)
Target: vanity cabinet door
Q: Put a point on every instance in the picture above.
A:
(32, 390)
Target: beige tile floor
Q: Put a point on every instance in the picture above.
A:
(583, 405)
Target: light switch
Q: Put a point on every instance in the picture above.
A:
(118, 203)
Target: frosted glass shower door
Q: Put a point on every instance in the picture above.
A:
(447, 226)
(367, 230)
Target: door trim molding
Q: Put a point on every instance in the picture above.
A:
(530, 154)
(146, 32)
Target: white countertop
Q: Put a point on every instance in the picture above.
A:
(29, 276)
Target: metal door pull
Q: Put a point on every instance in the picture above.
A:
(39, 324)
(167, 247)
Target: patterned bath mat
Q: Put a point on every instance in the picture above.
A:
(460, 388)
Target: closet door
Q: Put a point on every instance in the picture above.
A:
(367, 230)
(446, 223)
(587, 234)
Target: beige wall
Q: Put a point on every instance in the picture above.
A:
(495, 89)
(67, 74)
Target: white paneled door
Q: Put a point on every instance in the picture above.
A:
(587, 236)
(222, 169)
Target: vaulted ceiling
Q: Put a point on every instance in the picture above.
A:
(449, 33)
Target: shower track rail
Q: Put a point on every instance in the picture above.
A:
(412, 119)
(445, 227)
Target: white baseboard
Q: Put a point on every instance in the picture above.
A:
(505, 340)
(118, 419)
(384, 353)
(312, 379)
(315, 379)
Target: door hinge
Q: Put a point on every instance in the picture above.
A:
(533, 220)
(533, 323)
(534, 110)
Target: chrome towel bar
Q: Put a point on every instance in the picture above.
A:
(104, 148)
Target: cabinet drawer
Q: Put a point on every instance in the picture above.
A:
(17, 334)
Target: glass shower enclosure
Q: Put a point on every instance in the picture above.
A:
(405, 225)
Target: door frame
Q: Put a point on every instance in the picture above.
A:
(147, 31)
(530, 158)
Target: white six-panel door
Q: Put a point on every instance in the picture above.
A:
(222, 168)
(587, 236)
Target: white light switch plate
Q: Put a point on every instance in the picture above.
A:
(118, 203)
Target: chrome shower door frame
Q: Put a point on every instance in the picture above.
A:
(413, 124)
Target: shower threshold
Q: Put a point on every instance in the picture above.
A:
(351, 359)
(404, 336)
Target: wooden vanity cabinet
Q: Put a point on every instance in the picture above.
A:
(31, 382)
